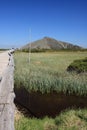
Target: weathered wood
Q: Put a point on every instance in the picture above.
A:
(7, 95)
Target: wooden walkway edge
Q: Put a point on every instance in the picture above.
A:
(7, 95)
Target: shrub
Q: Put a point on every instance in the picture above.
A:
(78, 66)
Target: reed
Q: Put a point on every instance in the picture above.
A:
(47, 72)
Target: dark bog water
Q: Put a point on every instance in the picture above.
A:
(48, 104)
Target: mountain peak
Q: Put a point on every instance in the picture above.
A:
(51, 43)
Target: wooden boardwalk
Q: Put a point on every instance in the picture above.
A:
(6, 91)
(4, 59)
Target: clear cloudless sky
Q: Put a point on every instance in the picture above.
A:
(64, 20)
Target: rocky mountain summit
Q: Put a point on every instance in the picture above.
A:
(50, 44)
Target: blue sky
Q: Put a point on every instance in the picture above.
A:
(64, 20)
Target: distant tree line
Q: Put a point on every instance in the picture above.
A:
(36, 50)
(2, 49)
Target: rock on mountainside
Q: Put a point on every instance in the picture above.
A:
(51, 44)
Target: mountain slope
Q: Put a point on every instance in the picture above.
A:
(50, 43)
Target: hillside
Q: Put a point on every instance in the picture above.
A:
(51, 44)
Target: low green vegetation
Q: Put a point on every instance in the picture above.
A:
(46, 72)
(37, 50)
(68, 120)
(78, 66)
(4, 49)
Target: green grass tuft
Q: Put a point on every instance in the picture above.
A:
(68, 120)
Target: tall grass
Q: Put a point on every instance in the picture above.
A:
(46, 72)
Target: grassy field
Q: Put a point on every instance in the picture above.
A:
(47, 72)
